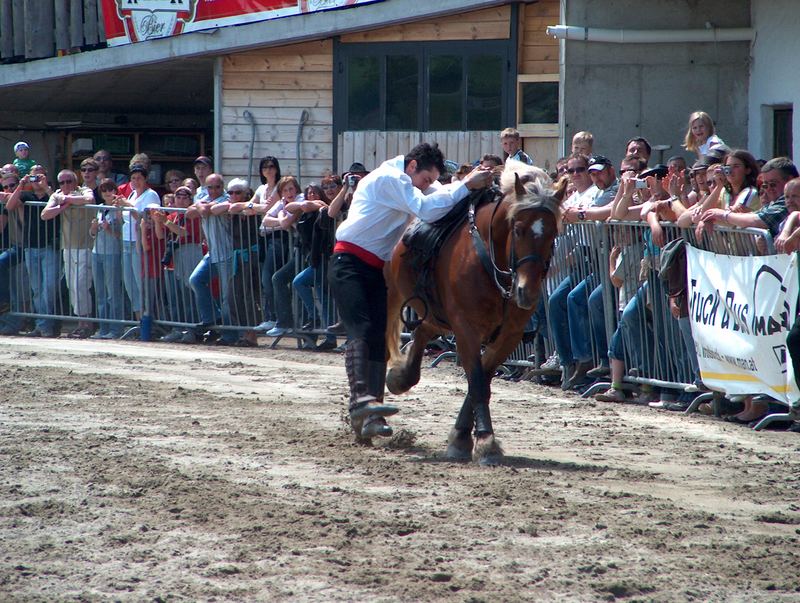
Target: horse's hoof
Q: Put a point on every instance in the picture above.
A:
(459, 447)
(487, 452)
(395, 382)
(376, 427)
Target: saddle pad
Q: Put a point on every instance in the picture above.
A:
(424, 240)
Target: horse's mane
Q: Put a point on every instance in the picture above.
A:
(538, 186)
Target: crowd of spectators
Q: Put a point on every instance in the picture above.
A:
(218, 262)
(718, 187)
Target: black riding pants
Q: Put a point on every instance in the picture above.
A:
(360, 294)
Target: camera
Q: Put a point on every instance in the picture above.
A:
(34, 178)
(172, 245)
(640, 183)
(352, 180)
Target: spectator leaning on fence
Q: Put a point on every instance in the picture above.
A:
(244, 289)
(106, 229)
(11, 255)
(777, 172)
(284, 220)
(76, 244)
(213, 209)
(560, 328)
(41, 242)
(183, 235)
(585, 301)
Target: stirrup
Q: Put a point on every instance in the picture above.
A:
(371, 406)
(375, 426)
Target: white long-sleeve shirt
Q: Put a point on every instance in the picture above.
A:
(386, 201)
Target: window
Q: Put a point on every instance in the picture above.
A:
(537, 105)
(423, 87)
(782, 132)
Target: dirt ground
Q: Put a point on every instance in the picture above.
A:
(150, 472)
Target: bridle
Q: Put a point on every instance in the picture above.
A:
(488, 258)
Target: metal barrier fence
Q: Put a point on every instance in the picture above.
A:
(115, 271)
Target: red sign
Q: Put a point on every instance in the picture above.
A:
(129, 21)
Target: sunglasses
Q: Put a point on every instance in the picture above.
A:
(235, 192)
(70, 181)
(577, 170)
(329, 187)
(182, 195)
(88, 169)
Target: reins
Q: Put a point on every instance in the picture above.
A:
(488, 258)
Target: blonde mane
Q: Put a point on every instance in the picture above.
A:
(537, 184)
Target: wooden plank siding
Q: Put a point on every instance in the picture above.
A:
(36, 29)
(538, 55)
(275, 85)
(487, 24)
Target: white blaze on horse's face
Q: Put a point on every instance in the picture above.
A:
(537, 228)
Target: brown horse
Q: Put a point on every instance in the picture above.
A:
(487, 285)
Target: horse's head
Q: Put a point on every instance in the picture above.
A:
(533, 215)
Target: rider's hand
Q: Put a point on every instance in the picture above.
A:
(480, 177)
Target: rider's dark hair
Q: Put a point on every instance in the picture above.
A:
(427, 156)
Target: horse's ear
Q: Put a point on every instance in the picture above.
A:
(520, 190)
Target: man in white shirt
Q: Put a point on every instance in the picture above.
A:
(386, 200)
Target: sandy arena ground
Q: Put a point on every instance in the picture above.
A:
(153, 472)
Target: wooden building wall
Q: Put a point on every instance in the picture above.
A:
(538, 56)
(276, 85)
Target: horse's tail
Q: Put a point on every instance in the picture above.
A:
(393, 338)
(394, 311)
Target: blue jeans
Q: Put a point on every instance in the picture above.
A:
(44, 272)
(200, 281)
(685, 326)
(559, 320)
(303, 283)
(282, 293)
(108, 291)
(132, 273)
(10, 281)
(275, 256)
(581, 327)
(597, 319)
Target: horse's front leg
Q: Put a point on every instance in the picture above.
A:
(487, 449)
(405, 371)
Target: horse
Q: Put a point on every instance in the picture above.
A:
(486, 284)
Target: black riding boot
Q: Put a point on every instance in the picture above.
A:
(367, 381)
(356, 364)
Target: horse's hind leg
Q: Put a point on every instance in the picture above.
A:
(459, 443)
(404, 374)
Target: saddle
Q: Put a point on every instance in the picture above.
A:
(424, 241)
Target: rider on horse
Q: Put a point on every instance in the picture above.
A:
(385, 201)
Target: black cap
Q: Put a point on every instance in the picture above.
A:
(357, 168)
(598, 162)
(205, 160)
(658, 171)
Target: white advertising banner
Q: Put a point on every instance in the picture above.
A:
(741, 309)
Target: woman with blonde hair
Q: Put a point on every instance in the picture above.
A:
(700, 136)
